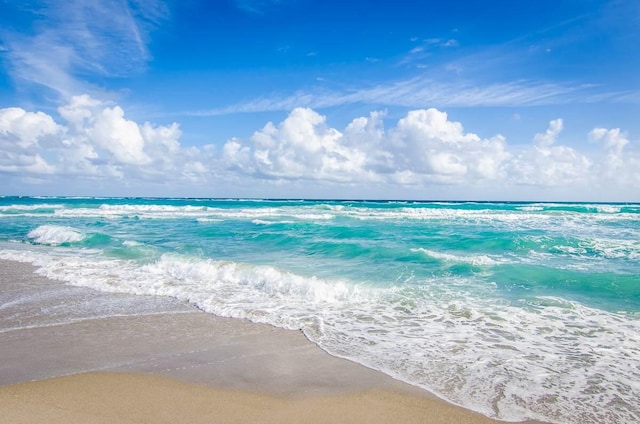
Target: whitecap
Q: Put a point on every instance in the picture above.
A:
(476, 260)
(55, 234)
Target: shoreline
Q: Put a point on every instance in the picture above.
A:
(186, 351)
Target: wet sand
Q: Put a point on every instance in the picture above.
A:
(174, 363)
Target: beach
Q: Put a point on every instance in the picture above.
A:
(516, 311)
(178, 364)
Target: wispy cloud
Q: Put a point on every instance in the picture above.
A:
(417, 92)
(426, 48)
(445, 73)
(70, 42)
(256, 6)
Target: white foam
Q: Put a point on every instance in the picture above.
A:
(199, 213)
(613, 248)
(531, 208)
(476, 260)
(55, 234)
(608, 208)
(222, 287)
(18, 207)
(602, 248)
(265, 222)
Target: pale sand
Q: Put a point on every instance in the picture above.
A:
(179, 365)
(138, 398)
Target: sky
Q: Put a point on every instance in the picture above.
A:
(351, 99)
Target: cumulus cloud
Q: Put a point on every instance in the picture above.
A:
(548, 164)
(22, 137)
(613, 140)
(617, 165)
(549, 137)
(302, 146)
(91, 139)
(95, 140)
(424, 147)
(429, 144)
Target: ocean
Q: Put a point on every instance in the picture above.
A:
(515, 310)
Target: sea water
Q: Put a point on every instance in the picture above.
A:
(516, 310)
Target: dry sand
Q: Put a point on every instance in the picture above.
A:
(139, 398)
(181, 365)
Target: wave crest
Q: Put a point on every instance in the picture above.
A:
(475, 260)
(55, 235)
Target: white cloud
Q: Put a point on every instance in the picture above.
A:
(428, 143)
(105, 38)
(26, 127)
(95, 141)
(547, 164)
(121, 137)
(617, 165)
(423, 152)
(424, 148)
(302, 146)
(23, 135)
(549, 137)
(613, 140)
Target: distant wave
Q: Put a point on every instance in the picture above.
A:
(17, 207)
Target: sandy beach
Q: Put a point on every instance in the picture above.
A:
(178, 364)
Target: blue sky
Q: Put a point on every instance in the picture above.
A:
(510, 100)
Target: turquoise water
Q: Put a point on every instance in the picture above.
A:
(516, 310)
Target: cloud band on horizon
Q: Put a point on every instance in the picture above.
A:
(94, 140)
